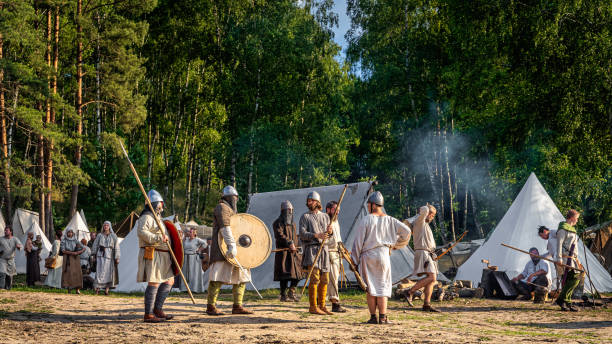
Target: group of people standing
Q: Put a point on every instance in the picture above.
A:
(69, 262)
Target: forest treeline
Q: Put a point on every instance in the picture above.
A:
(448, 102)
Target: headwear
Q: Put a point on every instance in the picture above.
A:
(154, 196)
(286, 205)
(314, 195)
(229, 191)
(376, 198)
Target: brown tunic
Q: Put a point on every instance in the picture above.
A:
(287, 265)
(221, 218)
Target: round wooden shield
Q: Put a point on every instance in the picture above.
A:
(253, 241)
(176, 244)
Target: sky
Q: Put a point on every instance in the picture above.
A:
(344, 24)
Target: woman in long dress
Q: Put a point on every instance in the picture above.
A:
(106, 250)
(32, 251)
(54, 276)
(192, 266)
(72, 276)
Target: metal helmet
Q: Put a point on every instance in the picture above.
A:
(286, 205)
(376, 198)
(154, 196)
(229, 191)
(314, 195)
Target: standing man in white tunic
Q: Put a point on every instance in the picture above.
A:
(8, 246)
(376, 234)
(335, 261)
(550, 235)
(424, 257)
(154, 260)
(221, 271)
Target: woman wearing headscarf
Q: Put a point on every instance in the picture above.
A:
(72, 276)
(32, 250)
(192, 267)
(106, 250)
(54, 276)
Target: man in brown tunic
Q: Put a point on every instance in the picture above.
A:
(287, 263)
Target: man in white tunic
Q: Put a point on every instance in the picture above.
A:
(534, 274)
(335, 261)
(221, 271)
(550, 235)
(375, 236)
(154, 260)
(106, 250)
(8, 246)
(424, 256)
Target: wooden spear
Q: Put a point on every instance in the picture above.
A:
(157, 220)
(314, 262)
(550, 260)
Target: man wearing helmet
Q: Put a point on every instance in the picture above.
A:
(375, 235)
(424, 257)
(313, 228)
(154, 261)
(287, 263)
(221, 271)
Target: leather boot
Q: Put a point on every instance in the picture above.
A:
(561, 304)
(160, 314)
(336, 308)
(322, 294)
(373, 319)
(428, 308)
(283, 298)
(238, 309)
(312, 298)
(292, 296)
(212, 310)
(151, 318)
(384, 320)
(572, 308)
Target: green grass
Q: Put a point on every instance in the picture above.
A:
(7, 300)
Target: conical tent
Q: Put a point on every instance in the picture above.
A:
(2, 223)
(266, 206)
(82, 213)
(531, 208)
(22, 221)
(20, 258)
(78, 226)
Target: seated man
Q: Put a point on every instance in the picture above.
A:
(533, 276)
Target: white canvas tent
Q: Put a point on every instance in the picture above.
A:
(82, 213)
(78, 226)
(128, 264)
(2, 223)
(266, 206)
(22, 221)
(531, 208)
(20, 258)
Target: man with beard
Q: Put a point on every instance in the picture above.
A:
(8, 246)
(314, 227)
(534, 274)
(375, 235)
(154, 260)
(287, 263)
(424, 256)
(221, 271)
(334, 259)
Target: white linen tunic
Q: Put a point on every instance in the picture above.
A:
(54, 276)
(103, 248)
(7, 259)
(551, 245)
(374, 237)
(159, 269)
(192, 266)
(424, 245)
(530, 268)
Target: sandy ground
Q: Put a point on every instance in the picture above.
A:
(46, 317)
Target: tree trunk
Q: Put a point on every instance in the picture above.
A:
(450, 191)
(475, 214)
(50, 142)
(79, 105)
(207, 190)
(5, 156)
(465, 207)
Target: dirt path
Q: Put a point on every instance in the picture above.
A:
(42, 317)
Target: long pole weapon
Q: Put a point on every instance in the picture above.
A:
(544, 258)
(250, 279)
(157, 220)
(314, 262)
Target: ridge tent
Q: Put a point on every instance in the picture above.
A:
(266, 206)
(78, 226)
(532, 208)
(22, 221)
(20, 258)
